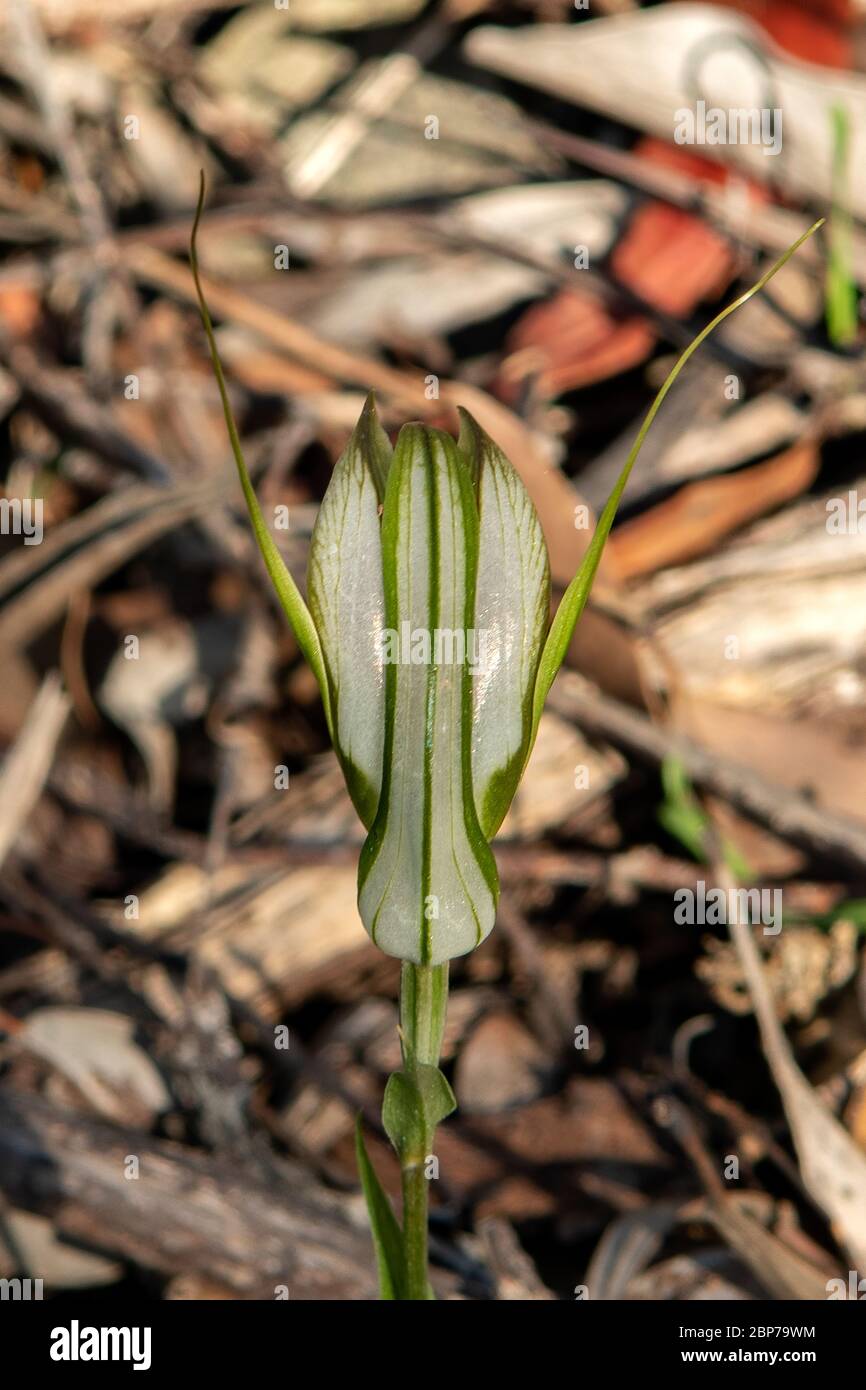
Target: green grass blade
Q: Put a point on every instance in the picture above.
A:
(387, 1236)
(841, 289)
(681, 813)
(288, 593)
(574, 599)
(683, 816)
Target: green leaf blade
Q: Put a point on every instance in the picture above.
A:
(416, 1101)
(437, 1098)
(403, 1118)
(385, 1229)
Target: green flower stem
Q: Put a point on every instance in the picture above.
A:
(423, 1002)
(415, 1229)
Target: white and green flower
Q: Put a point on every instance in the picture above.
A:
(434, 539)
(441, 541)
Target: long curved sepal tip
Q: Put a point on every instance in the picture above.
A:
(575, 596)
(293, 605)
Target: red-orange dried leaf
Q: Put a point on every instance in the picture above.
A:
(571, 341)
(672, 259)
(19, 310)
(813, 30)
(697, 517)
(701, 168)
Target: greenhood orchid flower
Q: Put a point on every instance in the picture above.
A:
(429, 634)
(429, 588)
(427, 631)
